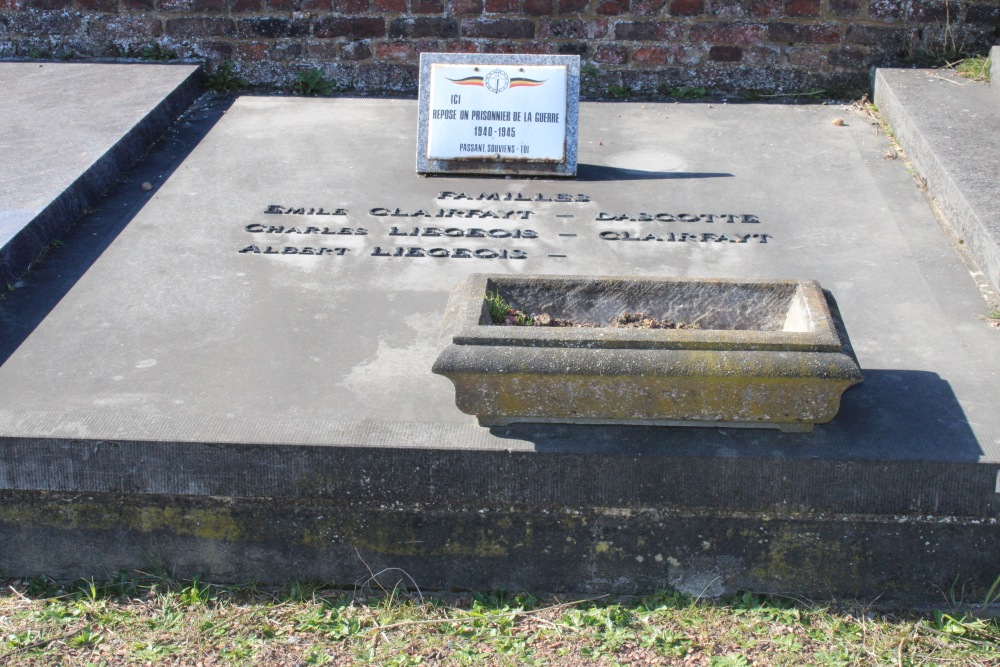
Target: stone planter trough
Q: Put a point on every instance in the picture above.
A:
(767, 353)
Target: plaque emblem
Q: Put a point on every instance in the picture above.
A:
(497, 81)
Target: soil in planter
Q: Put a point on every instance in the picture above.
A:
(623, 321)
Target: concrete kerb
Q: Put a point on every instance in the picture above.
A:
(28, 242)
(995, 69)
(946, 135)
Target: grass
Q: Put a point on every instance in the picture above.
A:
(977, 69)
(157, 621)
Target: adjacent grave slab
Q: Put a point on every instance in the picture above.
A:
(950, 129)
(240, 386)
(68, 131)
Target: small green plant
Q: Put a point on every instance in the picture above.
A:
(197, 593)
(501, 311)
(684, 92)
(497, 306)
(619, 92)
(86, 637)
(154, 51)
(225, 79)
(312, 82)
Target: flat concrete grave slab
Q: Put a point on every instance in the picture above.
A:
(68, 131)
(739, 354)
(265, 329)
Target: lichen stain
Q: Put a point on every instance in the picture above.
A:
(809, 561)
(213, 523)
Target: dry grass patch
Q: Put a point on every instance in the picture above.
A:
(146, 621)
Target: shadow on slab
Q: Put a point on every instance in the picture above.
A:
(597, 172)
(892, 415)
(53, 276)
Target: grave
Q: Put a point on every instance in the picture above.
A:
(239, 384)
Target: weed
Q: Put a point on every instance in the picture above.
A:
(197, 593)
(312, 82)
(154, 51)
(225, 79)
(619, 92)
(497, 306)
(86, 638)
(683, 92)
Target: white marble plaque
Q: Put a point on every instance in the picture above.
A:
(499, 112)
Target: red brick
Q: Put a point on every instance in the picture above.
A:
(849, 56)
(647, 7)
(208, 6)
(465, 6)
(573, 29)
(728, 54)
(806, 56)
(802, 8)
(49, 5)
(661, 31)
(932, 10)
(355, 51)
(271, 26)
(350, 6)
(766, 8)
(323, 49)
(141, 5)
(650, 55)
(426, 6)
(252, 52)
(282, 5)
(728, 33)
(538, 7)
(762, 56)
(499, 28)
(860, 34)
(988, 16)
(121, 27)
(570, 49)
(532, 48)
(394, 51)
(500, 47)
(611, 54)
(349, 26)
(687, 7)
(887, 10)
(216, 51)
(200, 27)
(423, 26)
(572, 6)
(611, 7)
(845, 8)
(445, 46)
(85, 5)
(285, 50)
(801, 33)
(389, 5)
(245, 6)
(731, 9)
(501, 6)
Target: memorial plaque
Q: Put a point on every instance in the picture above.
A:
(498, 114)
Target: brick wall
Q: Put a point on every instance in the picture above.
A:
(647, 46)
